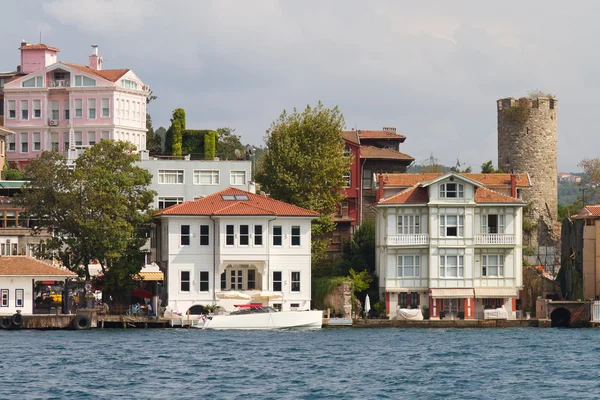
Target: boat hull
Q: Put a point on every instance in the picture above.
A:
(271, 320)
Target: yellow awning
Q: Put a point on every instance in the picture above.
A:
(495, 292)
(152, 276)
(460, 293)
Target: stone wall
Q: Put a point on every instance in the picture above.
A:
(529, 145)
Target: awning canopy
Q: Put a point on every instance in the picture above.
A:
(397, 289)
(152, 276)
(495, 292)
(460, 293)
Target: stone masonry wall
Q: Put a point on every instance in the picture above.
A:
(531, 146)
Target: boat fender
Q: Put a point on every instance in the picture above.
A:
(82, 322)
(203, 318)
(5, 323)
(17, 320)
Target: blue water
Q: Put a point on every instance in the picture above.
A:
(518, 363)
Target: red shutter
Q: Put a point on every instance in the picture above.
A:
(408, 303)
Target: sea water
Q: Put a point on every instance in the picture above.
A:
(345, 363)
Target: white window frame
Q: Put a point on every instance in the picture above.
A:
(492, 269)
(347, 177)
(4, 297)
(54, 144)
(182, 281)
(409, 224)
(11, 106)
(179, 175)
(204, 235)
(295, 236)
(11, 141)
(245, 236)
(234, 176)
(407, 263)
(258, 235)
(211, 175)
(20, 298)
(21, 142)
(206, 281)
(296, 282)
(78, 105)
(279, 281)
(105, 105)
(446, 267)
(91, 135)
(54, 110)
(37, 144)
(66, 110)
(36, 105)
(459, 225)
(279, 236)
(91, 108)
(185, 236)
(78, 137)
(458, 191)
(499, 223)
(169, 199)
(229, 235)
(24, 106)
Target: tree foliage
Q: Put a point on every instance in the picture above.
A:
(153, 141)
(304, 163)
(178, 115)
(12, 174)
(228, 143)
(200, 143)
(100, 210)
(591, 166)
(177, 135)
(488, 168)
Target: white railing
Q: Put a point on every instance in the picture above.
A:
(411, 239)
(495, 238)
(596, 311)
(60, 83)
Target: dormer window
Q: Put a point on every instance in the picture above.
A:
(81, 80)
(33, 82)
(127, 84)
(452, 190)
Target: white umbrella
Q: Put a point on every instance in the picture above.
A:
(266, 295)
(232, 294)
(367, 305)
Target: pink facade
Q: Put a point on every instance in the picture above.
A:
(66, 107)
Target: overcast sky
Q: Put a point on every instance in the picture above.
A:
(433, 71)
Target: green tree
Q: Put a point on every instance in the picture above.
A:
(178, 115)
(304, 165)
(228, 143)
(100, 210)
(488, 168)
(12, 174)
(177, 134)
(153, 141)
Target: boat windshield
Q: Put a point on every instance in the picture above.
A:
(253, 310)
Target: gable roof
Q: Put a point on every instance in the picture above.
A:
(382, 134)
(588, 211)
(413, 195)
(372, 152)
(112, 75)
(488, 180)
(214, 204)
(4, 131)
(28, 266)
(451, 174)
(351, 136)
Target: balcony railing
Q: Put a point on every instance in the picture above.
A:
(408, 240)
(495, 238)
(60, 83)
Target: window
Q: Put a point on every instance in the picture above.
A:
(492, 223)
(19, 297)
(204, 282)
(277, 282)
(105, 108)
(409, 224)
(24, 110)
(37, 81)
(224, 281)
(170, 176)
(78, 138)
(185, 235)
(295, 236)
(452, 225)
(408, 266)
(343, 209)
(237, 177)
(37, 108)
(8, 248)
(206, 177)
(127, 84)
(91, 103)
(452, 267)
(66, 141)
(105, 135)
(81, 80)
(37, 141)
(67, 110)
(12, 113)
(258, 235)
(54, 110)
(11, 140)
(78, 108)
(451, 190)
(204, 235)
(277, 236)
(492, 265)
(54, 141)
(295, 281)
(347, 177)
(4, 301)
(184, 281)
(251, 279)
(236, 279)
(24, 142)
(347, 151)
(91, 138)
(244, 235)
(229, 235)
(164, 202)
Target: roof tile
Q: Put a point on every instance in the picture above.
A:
(20, 265)
(112, 75)
(39, 46)
(485, 195)
(380, 135)
(488, 180)
(414, 195)
(372, 152)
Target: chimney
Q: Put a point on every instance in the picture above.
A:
(95, 59)
(389, 129)
(380, 181)
(513, 185)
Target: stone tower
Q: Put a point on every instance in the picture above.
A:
(527, 143)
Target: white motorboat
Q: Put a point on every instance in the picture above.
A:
(257, 316)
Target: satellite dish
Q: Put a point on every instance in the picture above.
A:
(238, 153)
(249, 150)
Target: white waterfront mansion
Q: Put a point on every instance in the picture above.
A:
(235, 243)
(451, 242)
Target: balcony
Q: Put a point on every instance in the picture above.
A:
(495, 238)
(60, 83)
(408, 240)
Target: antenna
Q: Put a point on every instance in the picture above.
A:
(40, 37)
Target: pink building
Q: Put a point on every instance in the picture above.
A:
(65, 107)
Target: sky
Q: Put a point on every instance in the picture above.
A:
(433, 70)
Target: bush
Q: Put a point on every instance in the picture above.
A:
(379, 308)
(529, 251)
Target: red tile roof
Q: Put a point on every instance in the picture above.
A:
(380, 135)
(39, 46)
(588, 211)
(485, 195)
(414, 195)
(372, 152)
(255, 205)
(112, 75)
(351, 136)
(489, 180)
(19, 266)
